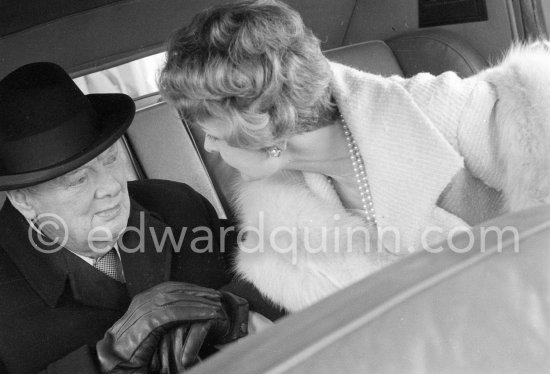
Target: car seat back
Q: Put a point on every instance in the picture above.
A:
(166, 150)
(435, 51)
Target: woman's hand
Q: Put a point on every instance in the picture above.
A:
(252, 164)
(257, 323)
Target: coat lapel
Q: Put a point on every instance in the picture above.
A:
(91, 287)
(145, 256)
(408, 162)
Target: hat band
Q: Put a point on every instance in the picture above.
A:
(48, 148)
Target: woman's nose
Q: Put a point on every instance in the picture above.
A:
(210, 144)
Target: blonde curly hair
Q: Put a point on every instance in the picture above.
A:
(252, 64)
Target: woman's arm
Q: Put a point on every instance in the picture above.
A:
(520, 124)
(498, 120)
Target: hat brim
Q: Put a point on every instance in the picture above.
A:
(115, 114)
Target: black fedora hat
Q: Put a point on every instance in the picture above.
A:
(48, 127)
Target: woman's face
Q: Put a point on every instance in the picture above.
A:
(252, 164)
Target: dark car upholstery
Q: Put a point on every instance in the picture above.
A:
(435, 51)
(78, 35)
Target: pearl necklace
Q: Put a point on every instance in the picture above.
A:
(360, 175)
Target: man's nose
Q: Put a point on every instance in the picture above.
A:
(108, 185)
(210, 144)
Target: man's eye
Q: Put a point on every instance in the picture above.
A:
(212, 138)
(110, 160)
(78, 181)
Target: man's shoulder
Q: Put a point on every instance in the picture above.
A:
(171, 200)
(16, 293)
(159, 185)
(8, 270)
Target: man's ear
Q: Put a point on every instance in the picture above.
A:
(21, 201)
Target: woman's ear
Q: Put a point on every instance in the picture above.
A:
(21, 201)
(282, 144)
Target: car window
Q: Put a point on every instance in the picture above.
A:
(136, 78)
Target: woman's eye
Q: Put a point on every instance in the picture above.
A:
(211, 138)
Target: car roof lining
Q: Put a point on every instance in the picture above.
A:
(17, 15)
(88, 39)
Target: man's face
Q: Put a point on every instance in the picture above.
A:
(92, 202)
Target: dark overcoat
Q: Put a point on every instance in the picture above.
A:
(54, 307)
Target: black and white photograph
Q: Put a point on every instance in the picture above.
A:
(274, 186)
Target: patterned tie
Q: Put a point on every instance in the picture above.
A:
(110, 264)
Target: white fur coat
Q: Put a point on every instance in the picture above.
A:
(415, 135)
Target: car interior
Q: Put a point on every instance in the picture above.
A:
(121, 42)
(377, 36)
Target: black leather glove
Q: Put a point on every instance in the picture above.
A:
(174, 355)
(129, 345)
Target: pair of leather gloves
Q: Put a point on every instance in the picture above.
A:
(166, 326)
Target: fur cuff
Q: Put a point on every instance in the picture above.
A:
(522, 116)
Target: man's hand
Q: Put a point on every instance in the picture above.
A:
(129, 345)
(173, 355)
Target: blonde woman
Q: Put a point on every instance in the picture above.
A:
(333, 159)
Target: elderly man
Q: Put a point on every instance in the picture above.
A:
(80, 246)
